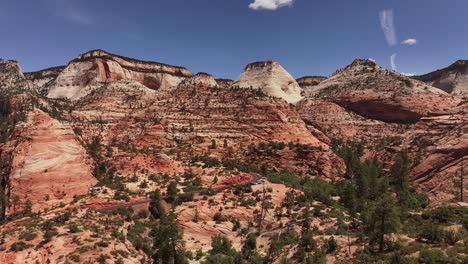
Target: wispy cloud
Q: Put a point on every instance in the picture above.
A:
(70, 10)
(388, 27)
(408, 74)
(392, 61)
(410, 42)
(269, 4)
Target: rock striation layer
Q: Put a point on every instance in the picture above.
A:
(376, 93)
(48, 166)
(93, 68)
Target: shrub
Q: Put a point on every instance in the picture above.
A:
(19, 246)
(432, 233)
(432, 256)
(28, 235)
(218, 218)
(74, 258)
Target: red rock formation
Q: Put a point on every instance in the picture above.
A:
(375, 93)
(48, 165)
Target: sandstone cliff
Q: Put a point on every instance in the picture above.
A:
(93, 68)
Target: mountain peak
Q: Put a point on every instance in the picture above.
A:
(452, 79)
(272, 79)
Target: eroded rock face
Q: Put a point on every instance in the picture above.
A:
(453, 79)
(200, 78)
(272, 79)
(376, 93)
(233, 118)
(93, 68)
(49, 166)
(309, 82)
(42, 78)
(224, 83)
(11, 74)
(440, 145)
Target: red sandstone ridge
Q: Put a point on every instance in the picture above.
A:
(48, 164)
(376, 93)
(93, 68)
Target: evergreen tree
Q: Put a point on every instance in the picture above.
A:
(399, 175)
(155, 207)
(168, 242)
(381, 219)
(172, 191)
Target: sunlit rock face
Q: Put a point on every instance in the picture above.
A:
(453, 79)
(200, 78)
(376, 93)
(89, 70)
(11, 74)
(272, 79)
(48, 165)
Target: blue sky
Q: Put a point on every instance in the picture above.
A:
(308, 37)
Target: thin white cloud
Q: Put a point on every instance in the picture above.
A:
(392, 61)
(70, 10)
(410, 42)
(408, 74)
(388, 27)
(269, 4)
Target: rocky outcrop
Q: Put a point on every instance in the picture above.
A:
(453, 79)
(272, 79)
(224, 83)
(42, 78)
(49, 166)
(379, 94)
(11, 74)
(440, 148)
(196, 116)
(309, 82)
(200, 78)
(93, 68)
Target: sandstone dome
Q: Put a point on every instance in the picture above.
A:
(272, 79)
